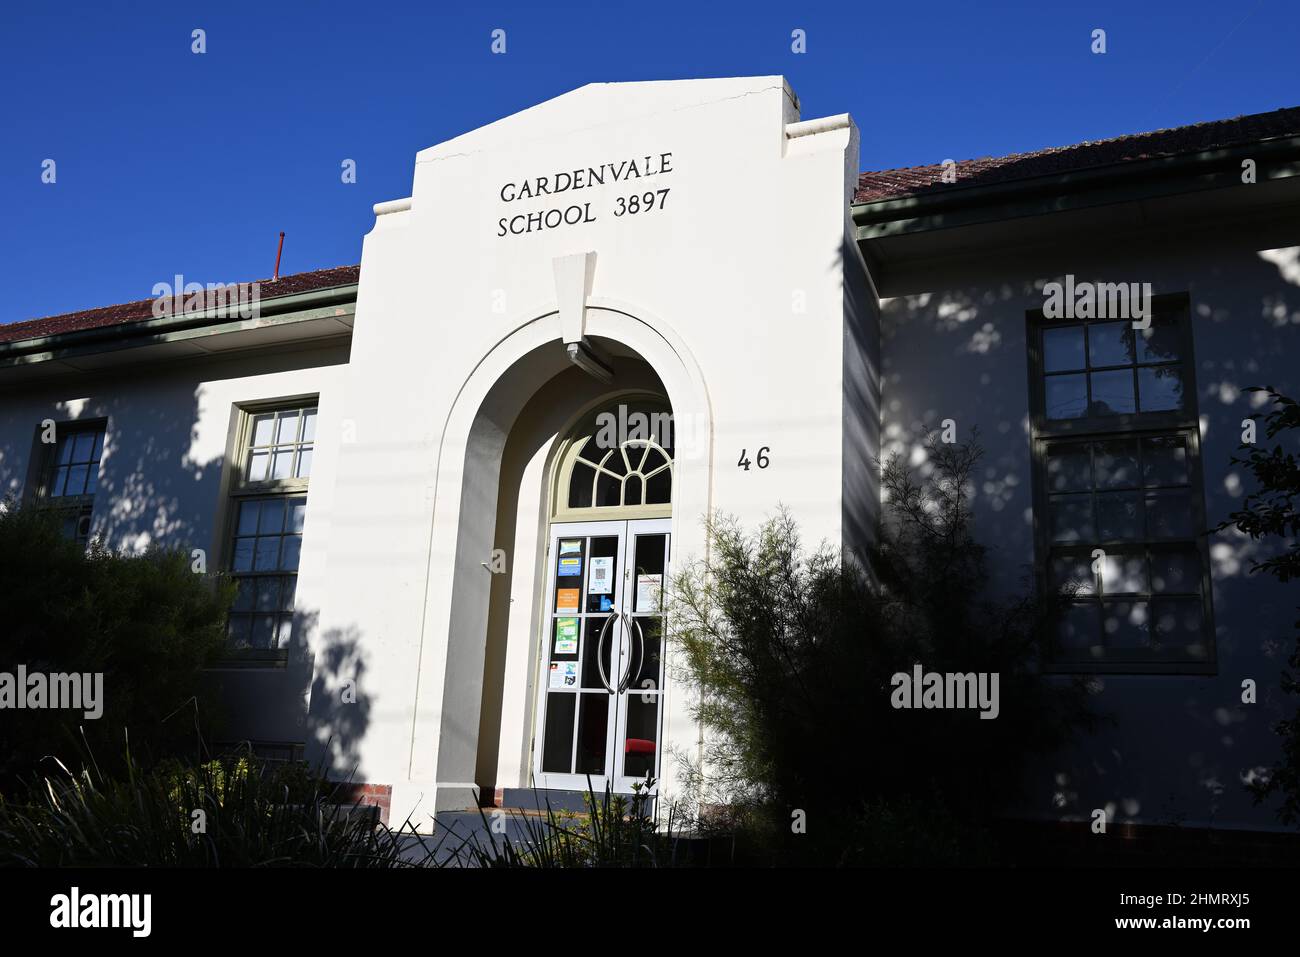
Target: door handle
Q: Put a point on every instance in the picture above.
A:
(600, 650)
(627, 677)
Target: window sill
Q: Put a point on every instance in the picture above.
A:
(263, 660)
(1120, 669)
(272, 487)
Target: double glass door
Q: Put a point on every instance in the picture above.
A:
(600, 710)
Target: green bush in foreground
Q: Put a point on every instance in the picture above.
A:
(225, 813)
(239, 812)
(1271, 513)
(793, 655)
(149, 623)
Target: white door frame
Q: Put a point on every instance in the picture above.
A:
(619, 629)
(641, 674)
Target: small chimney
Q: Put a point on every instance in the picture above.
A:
(277, 258)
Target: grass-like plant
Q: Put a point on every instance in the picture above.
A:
(225, 813)
(616, 830)
(237, 811)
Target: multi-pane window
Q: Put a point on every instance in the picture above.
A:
(280, 445)
(620, 457)
(270, 503)
(1123, 543)
(1100, 369)
(638, 472)
(1119, 508)
(264, 562)
(70, 477)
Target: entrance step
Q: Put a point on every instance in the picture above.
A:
(528, 799)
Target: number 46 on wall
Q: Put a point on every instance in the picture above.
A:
(761, 459)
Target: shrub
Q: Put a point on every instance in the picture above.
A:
(1271, 512)
(148, 623)
(236, 813)
(793, 656)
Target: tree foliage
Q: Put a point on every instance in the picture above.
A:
(1271, 512)
(148, 623)
(793, 653)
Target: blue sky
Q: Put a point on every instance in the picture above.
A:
(171, 162)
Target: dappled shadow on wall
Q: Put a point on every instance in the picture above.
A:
(958, 356)
(314, 695)
(339, 710)
(1245, 313)
(153, 491)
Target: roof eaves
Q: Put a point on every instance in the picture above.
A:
(151, 329)
(1045, 193)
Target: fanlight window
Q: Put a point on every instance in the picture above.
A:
(638, 472)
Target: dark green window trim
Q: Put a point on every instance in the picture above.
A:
(51, 477)
(1091, 428)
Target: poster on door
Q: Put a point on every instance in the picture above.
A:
(566, 600)
(569, 565)
(566, 636)
(564, 674)
(648, 591)
(602, 575)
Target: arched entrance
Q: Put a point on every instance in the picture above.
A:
(475, 677)
(600, 690)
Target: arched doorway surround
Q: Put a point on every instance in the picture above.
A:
(448, 672)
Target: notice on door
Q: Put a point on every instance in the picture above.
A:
(564, 674)
(569, 565)
(648, 591)
(570, 546)
(566, 636)
(602, 575)
(566, 600)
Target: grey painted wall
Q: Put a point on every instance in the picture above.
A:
(860, 445)
(954, 346)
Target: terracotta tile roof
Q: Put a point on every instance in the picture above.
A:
(130, 312)
(919, 180)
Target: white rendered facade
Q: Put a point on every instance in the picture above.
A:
(740, 299)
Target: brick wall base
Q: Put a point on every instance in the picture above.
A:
(373, 795)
